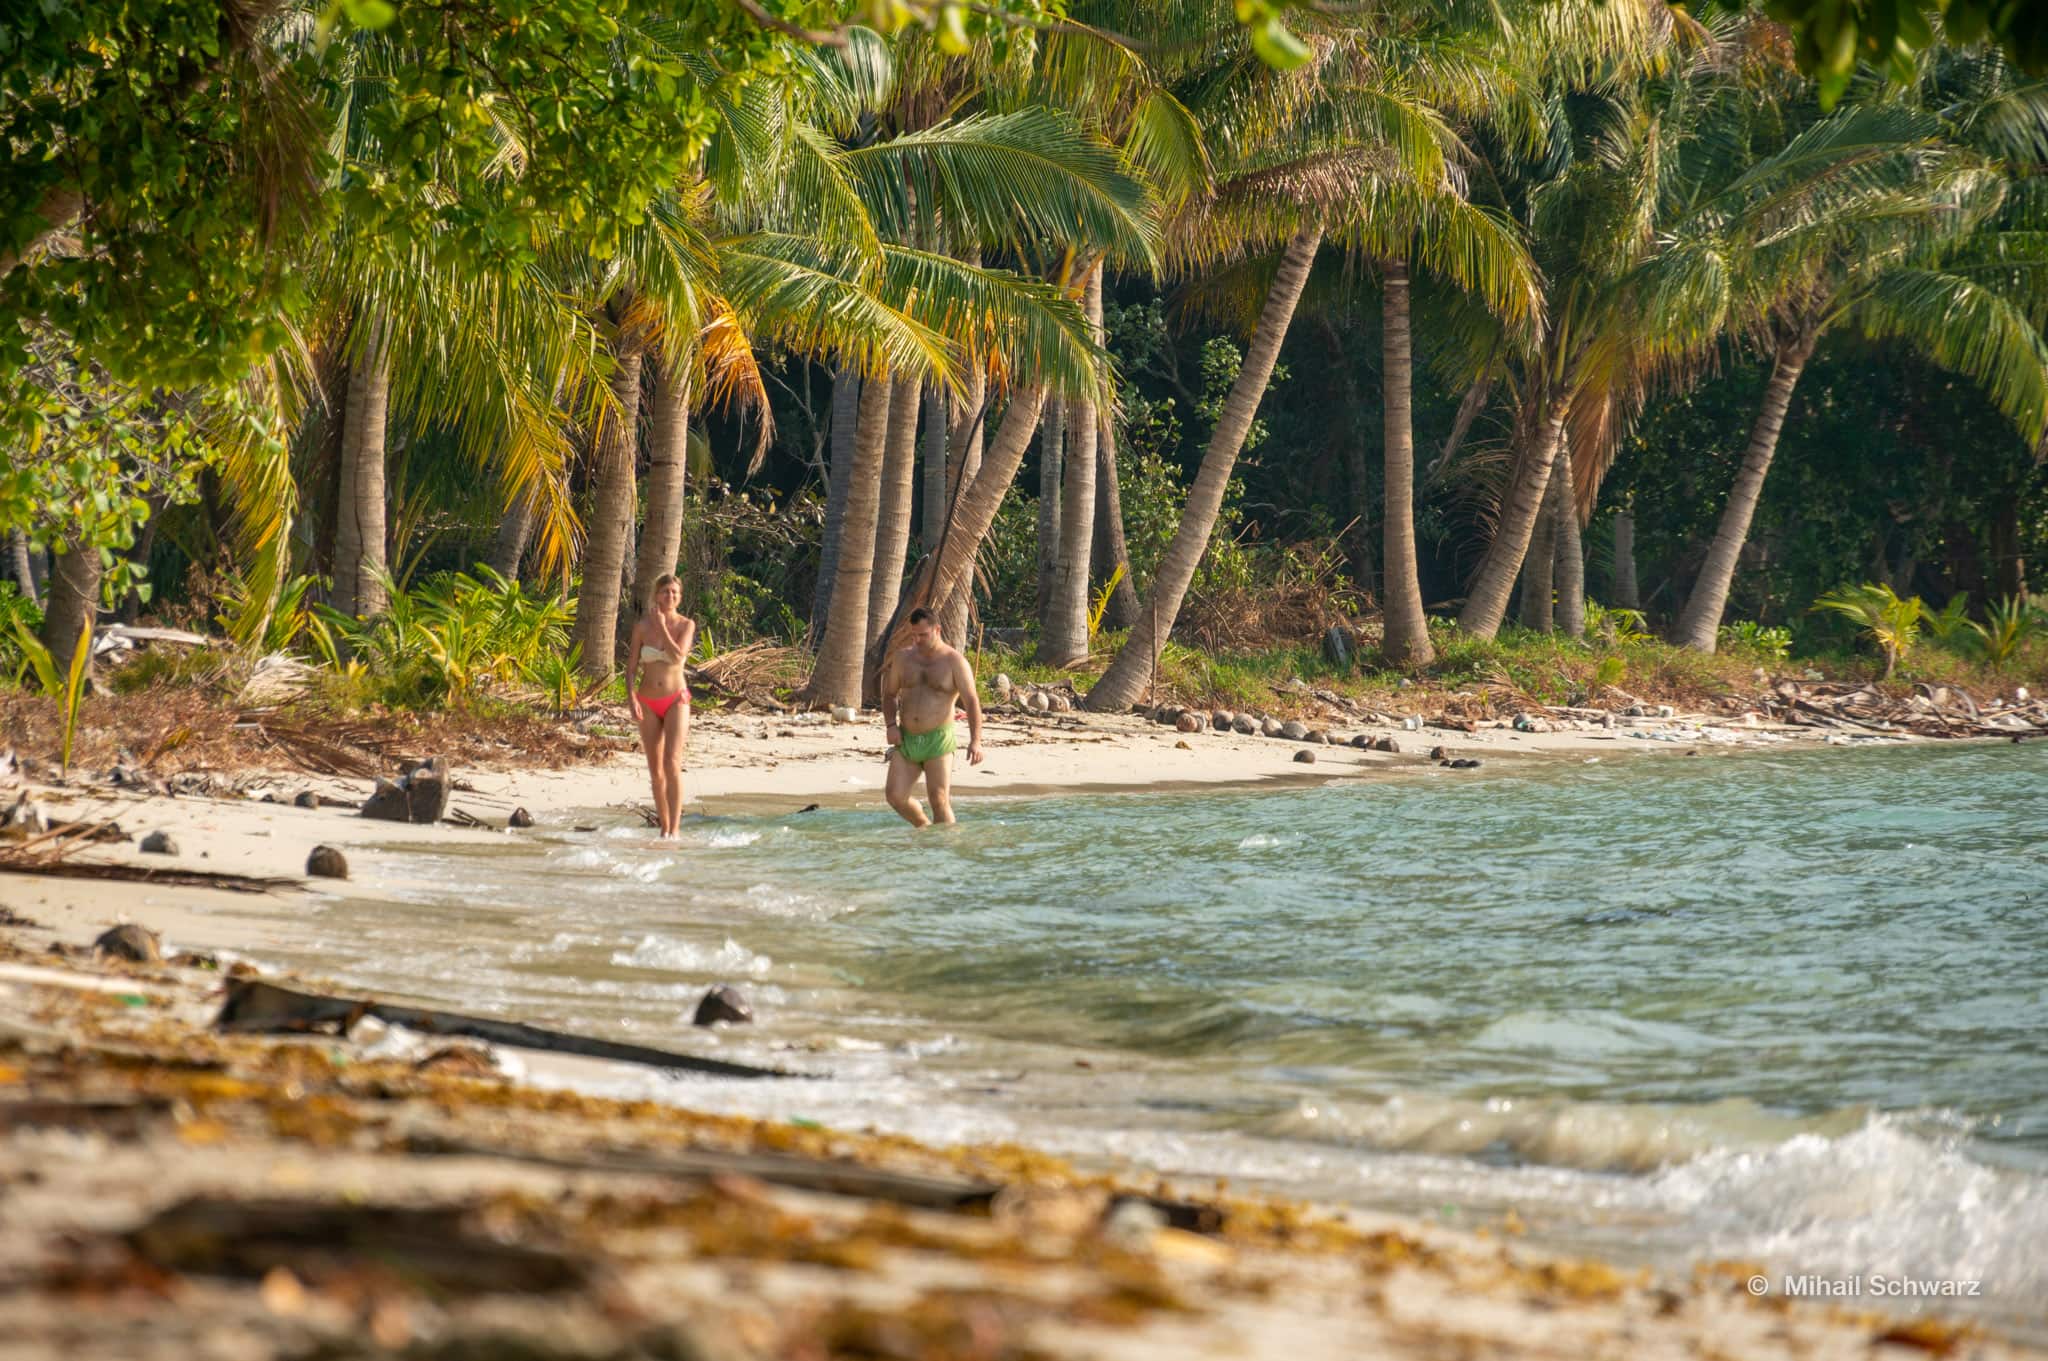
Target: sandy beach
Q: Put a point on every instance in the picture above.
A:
(175, 1192)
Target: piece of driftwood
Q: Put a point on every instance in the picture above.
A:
(254, 1006)
(776, 1169)
(143, 874)
(136, 634)
(435, 1246)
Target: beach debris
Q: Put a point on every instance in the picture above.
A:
(445, 1249)
(1182, 745)
(419, 795)
(1526, 723)
(520, 818)
(1387, 744)
(1363, 742)
(136, 944)
(159, 843)
(1460, 763)
(723, 1003)
(1305, 757)
(258, 1007)
(325, 862)
(278, 678)
(1930, 711)
(1037, 702)
(1188, 723)
(1318, 738)
(1294, 730)
(1004, 687)
(24, 820)
(1245, 724)
(1439, 754)
(845, 713)
(1222, 719)
(1269, 726)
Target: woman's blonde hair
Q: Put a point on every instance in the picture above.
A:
(665, 579)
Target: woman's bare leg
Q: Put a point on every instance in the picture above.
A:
(675, 732)
(651, 742)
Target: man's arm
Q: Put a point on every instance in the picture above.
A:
(888, 688)
(964, 674)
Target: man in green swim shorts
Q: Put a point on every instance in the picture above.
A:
(920, 684)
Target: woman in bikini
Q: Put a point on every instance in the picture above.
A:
(660, 699)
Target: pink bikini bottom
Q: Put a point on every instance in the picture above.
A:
(660, 707)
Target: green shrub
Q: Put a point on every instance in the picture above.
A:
(1763, 641)
(1889, 620)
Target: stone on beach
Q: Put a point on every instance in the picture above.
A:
(1004, 687)
(1386, 744)
(1245, 724)
(325, 862)
(723, 1003)
(1305, 756)
(1222, 719)
(159, 843)
(1294, 730)
(1269, 726)
(1317, 738)
(136, 944)
(520, 818)
(419, 795)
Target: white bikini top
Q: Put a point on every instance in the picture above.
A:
(653, 654)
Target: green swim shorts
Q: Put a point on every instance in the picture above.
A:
(919, 747)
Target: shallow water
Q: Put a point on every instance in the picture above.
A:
(1784, 1007)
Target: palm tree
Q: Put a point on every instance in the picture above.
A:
(892, 528)
(1896, 235)
(1063, 636)
(836, 678)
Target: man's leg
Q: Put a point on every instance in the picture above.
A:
(938, 787)
(902, 779)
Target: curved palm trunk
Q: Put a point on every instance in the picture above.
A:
(611, 521)
(360, 525)
(837, 676)
(1111, 552)
(1569, 575)
(932, 515)
(1700, 625)
(668, 473)
(845, 429)
(515, 531)
(1132, 670)
(1063, 638)
(73, 605)
(892, 525)
(1052, 441)
(1406, 640)
(1486, 601)
(951, 570)
(19, 566)
(1626, 593)
(1539, 564)
(964, 442)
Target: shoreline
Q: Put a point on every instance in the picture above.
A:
(1428, 1287)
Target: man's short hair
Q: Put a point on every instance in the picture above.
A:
(921, 615)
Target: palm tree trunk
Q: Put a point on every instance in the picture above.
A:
(668, 472)
(1700, 625)
(1111, 552)
(1132, 670)
(1406, 641)
(331, 368)
(360, 527)
(1052, 437)
(1539, 564)
(73, 606)
(1469, 407)
(1486, 600)
(974, 509)
(892, 526)
(1626, 593)
(845, 428)
(932, 518)
(836, 679)
(611, 518)
(18, 564)
(964, 443)
(1569, 575)
(508, 545)
(1063, 637)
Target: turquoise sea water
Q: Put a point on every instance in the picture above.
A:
(1785, 1007)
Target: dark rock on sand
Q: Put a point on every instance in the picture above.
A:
(1222, 719)
(1305, 757)
(159, 843)
(1318, 738)
(1270, 726)
(1294, 730)
(419, 795)
(325, 862)
(1386, 744)
(137, 944)
(1245, 724)
(723, 1003)
(1363, 742)
(1439, 754)
(520, 818)
(306, 799)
